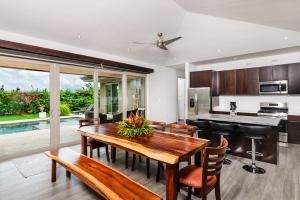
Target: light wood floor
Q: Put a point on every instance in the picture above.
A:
(281, 182)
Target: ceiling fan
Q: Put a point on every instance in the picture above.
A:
(161, 43)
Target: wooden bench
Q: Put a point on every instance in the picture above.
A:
(108, 182)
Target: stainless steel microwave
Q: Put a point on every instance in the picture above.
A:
(273, 87)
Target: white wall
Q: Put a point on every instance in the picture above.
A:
(162, 100)
(251, 103)
(162, 94)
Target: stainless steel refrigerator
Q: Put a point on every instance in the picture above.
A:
(198, 101)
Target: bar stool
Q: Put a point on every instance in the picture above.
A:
(254, 133)
(223, 130)
(202, 126)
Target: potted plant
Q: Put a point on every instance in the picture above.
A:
(42, 114)
(134, 126)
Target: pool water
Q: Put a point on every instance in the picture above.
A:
(31, 126)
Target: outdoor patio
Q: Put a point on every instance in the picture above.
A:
(18, 143)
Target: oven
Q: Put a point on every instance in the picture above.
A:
(273, 87)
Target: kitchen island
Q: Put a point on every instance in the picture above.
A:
(267, 148)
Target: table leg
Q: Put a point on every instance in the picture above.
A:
(84, 145)
(171, 182)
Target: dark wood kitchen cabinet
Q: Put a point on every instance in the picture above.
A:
(294, 129)
(208, 78)
(247, 81)
(227, 82)
(265, 74)
(294, 78)
(201, 79)
(280, 72)
(273, 73)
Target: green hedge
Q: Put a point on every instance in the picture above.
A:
(17, 102)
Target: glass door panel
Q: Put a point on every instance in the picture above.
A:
(24, 107)
(135, 94)
(110, 98)
(76, 101)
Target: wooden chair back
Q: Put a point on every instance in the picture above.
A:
(213, 158)
(88, 122)
(161, 126)
(183, 129)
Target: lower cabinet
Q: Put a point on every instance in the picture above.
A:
(294, 129)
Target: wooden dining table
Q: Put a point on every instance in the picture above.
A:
(162, 146)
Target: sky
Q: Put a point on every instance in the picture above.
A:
(27, 80)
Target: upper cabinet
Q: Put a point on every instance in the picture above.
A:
(294, 78)
(247, 81)
(201, 79)
(227, 82)
(273, 73)
(206, 78)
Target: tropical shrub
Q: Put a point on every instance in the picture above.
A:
(64, 110)
(16, 102)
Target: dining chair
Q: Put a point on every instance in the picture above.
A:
(92, 143)
(181, 129)
(160, 126)
(207, 177)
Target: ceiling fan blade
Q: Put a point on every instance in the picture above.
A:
(143, 43)
(171, 40)
(163, 47)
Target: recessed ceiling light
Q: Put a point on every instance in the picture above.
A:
(79, 36)
(286, 38)
(219, 50)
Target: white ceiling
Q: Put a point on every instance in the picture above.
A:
(278, 13)
(110, 26)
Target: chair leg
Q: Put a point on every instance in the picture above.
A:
(107, 153)
(113, 154)
(140, 159)
(189, 160)
(218, 189)
(158, 172)
(126, 159)
(189, 193)
(68, 174)
(133, 162)
(91, 151)
(98, 152)
(148, 167)
(160, 166)
(225, 161)
(53, 172)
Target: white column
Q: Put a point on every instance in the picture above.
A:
(54, 107)
(147, 106)
(124, 95)
(187, 86)
(96, 96)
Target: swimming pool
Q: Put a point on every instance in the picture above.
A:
(37, 125)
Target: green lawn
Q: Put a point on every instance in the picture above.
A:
(19, 117)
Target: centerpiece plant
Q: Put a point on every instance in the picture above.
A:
(134, 126)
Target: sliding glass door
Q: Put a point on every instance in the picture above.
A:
(28, 102)
(135, 94)
(110, 97)
(24, 107)
(76, 101)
